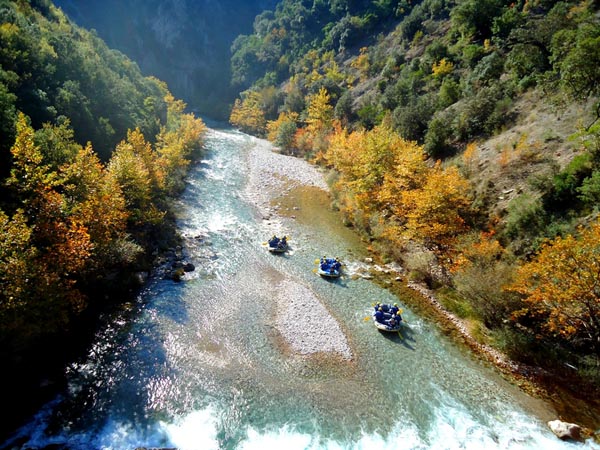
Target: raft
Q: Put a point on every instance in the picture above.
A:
(330, 268)
(383, 322)
(276, 245)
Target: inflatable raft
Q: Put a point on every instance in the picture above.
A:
(329, 267)
(387, 317)
(277, 245)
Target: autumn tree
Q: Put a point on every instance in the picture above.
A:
(283, 130)
(248, 113)
(560, 287)
(434, 211)
(58, 244)
(362, 158)
(319, 119)
(176, 149)
(389, 185)
(130, 170)
(442, 68)
(95, 200)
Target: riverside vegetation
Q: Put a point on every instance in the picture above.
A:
(78, 221)
(462, 140)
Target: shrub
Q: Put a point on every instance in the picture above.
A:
(449, 93)
(525, 221)
(438, 135)
(411, 120)
(564, 192)
(476, 117)
(589, 191)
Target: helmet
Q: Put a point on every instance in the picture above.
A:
(395, 304)
(380, 309)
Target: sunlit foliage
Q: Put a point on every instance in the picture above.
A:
(560, 288)
(282, 131)
(78, 219)
(319, 119)
(248, 114)
(385, 177)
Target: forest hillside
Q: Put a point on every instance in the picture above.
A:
(91, 155)
(462, 139)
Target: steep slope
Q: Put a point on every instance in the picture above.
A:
(184, 42)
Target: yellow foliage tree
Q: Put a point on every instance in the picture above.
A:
(362, 63)
(175, 148)
(248, 114)
(387, 176)
(319, 119)
(133, 176)
(434, 210)
(561, 286)
(442, 68)
(320, 111)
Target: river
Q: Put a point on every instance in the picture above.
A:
(203, 363)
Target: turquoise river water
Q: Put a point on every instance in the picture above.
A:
(200, 365)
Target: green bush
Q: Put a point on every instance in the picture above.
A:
(411, 120)
(475, 116)
(472, 54)
(488, 70)
(589, 191)
(526, 218)
(439, 133)
(449, 93)
(482, 286)
(564, 193)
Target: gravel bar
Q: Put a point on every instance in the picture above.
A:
(302, 320)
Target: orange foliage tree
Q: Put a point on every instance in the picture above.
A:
(561, 287)
(95, 200)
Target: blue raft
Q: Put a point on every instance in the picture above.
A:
(387, 317)
(278, 245)
(329, 267)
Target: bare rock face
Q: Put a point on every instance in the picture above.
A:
(565, 430)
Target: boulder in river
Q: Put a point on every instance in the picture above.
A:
(565, 430)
